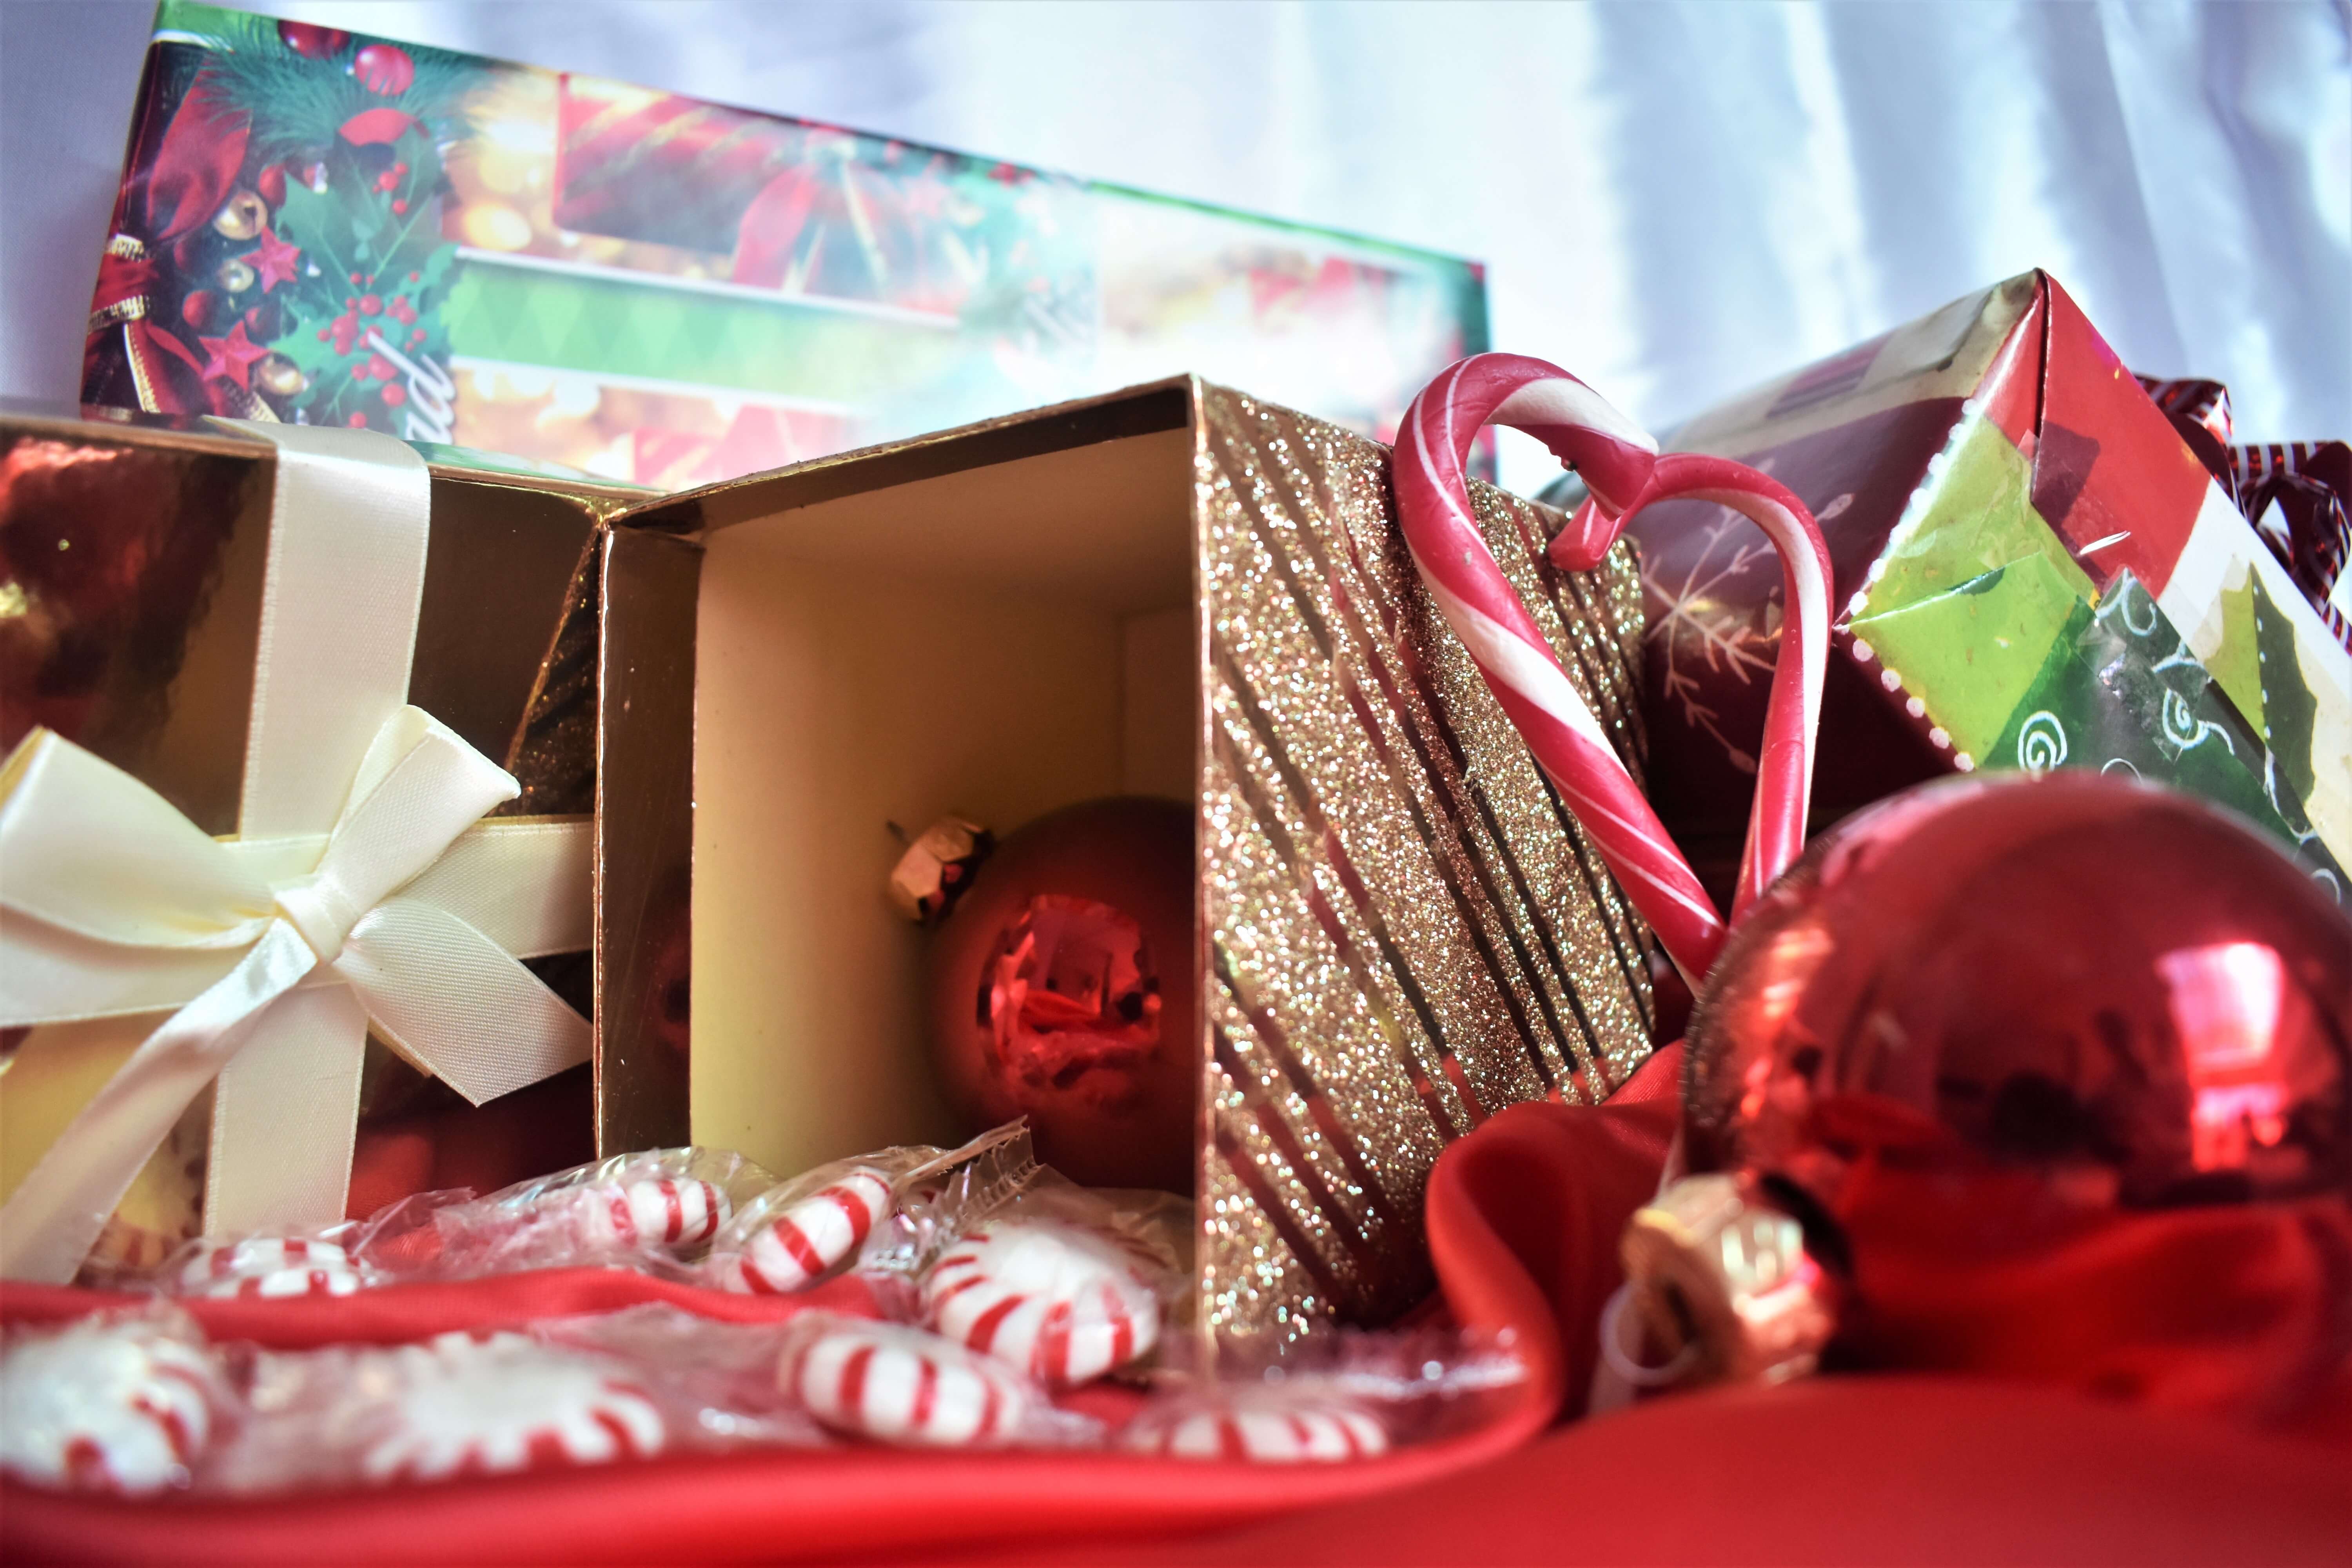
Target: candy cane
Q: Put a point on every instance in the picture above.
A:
(1621, 467)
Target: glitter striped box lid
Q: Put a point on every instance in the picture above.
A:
(1177, 590)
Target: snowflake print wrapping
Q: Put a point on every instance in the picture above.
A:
(112, 1404)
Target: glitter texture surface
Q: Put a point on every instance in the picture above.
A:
(1406, 930)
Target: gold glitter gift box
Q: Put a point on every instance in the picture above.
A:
(1175, 590)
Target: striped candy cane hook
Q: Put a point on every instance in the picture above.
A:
(1622, 469)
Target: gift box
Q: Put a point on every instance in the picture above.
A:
(1174, 591)
(2033, 569)
(211, 640)
(350, 231)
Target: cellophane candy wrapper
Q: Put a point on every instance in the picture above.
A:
(885, 1212)
(656, 1211)
(1001, 1307)
(398, 1241)
(575, 1392)
(136, 1402)
(1066, 1284)
(1352, 1393)
(132, 1402)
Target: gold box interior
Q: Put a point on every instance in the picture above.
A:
(994, 643)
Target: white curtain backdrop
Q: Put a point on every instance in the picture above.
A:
(1675, 200)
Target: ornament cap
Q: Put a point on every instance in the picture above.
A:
(937, 867)
(1718, 1268)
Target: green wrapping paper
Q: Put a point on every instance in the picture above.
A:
(2032, 570)
(2120, 691)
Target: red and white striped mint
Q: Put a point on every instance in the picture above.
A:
(1063, 1302)
(1266, 1434)
(460, 1407)
(269, 1266)
(896, 1383)
(811, 1237)
(99, 1406)
(668, 1211)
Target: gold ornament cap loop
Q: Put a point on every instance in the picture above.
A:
(1716, 1267)
(937, 867)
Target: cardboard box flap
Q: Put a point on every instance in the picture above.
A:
(1141, 410)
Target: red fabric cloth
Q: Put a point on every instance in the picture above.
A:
(2238, 1311)
(1863, 1470)
(1553, 1183)
(1524, 1217)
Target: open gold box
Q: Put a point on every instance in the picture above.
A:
(1174, 590)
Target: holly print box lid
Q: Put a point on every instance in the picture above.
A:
(320, 227)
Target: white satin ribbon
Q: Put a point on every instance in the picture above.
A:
(279, 951)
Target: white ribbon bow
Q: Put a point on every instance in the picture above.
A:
(112, 892)
(280, 949)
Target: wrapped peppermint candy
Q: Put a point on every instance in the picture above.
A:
(1259, 1426)
(456, 1405)
(656, 1211)
(889, 1211)
(325, 1260)
(468, 1406)
(1350, 1394)
(268, 1266)
(125, 1403)
(1065, 1283)
(891, 1382)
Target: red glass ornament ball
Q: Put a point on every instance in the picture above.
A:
(313, 42)
(2083, 992)
(383, 68)
(1060, 988)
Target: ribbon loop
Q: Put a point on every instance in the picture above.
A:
(89, 849)
(419, 787)
(452, 1001)
(115, 873)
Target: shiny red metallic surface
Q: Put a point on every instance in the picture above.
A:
(2083, 994)
(1061, 989)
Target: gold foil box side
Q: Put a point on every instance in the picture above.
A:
(129, 602)
(132, 561)
(644, 719)
(132, 556)
(1406, 930)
